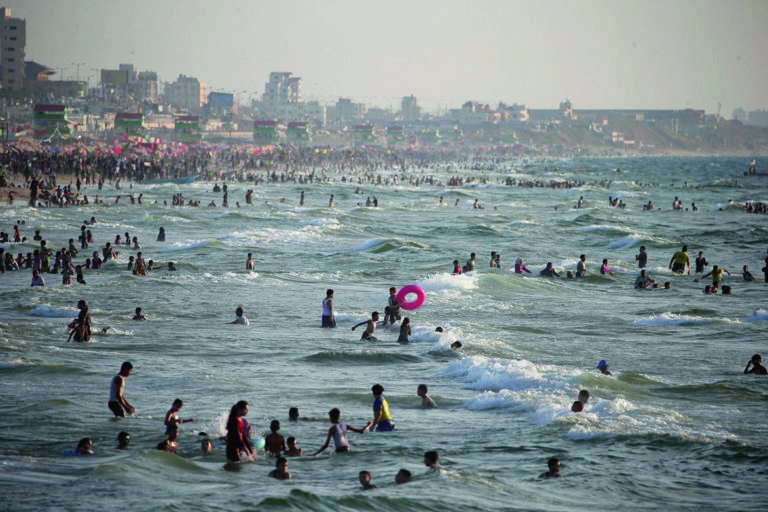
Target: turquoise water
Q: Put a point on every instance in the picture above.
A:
(677, 425)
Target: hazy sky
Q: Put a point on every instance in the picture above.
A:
(600, 54)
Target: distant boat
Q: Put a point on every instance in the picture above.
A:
(178, 181)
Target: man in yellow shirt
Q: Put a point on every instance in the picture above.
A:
(679, 261)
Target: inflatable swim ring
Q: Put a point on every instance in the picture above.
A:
(406, 290)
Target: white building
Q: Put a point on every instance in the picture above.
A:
(282, 89)
(186, 93)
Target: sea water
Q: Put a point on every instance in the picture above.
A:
(677, 425)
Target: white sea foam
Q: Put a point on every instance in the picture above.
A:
(626, 242)
(545, 394)
(437, 283)
(46, 310)
(761, 315)
(668, 318)
(187, 244)
(607, 227)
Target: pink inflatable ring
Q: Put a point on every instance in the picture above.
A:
(406, 290)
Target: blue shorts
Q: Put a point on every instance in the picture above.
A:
(385, 426)
(327, 321)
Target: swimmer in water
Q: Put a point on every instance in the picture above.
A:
(338, 432)
(553, 470)
(281, 470)
(172, 415)
(426, 401)
(717, 276)
(430, 459)
(520, 267)
(169, 445)
(293, 450)
(679, 261)
(581, 266)
(405, 330)
(403, 476)
(381, 417)
(603, 367)
(139, 317)
(364, 477)
(240, 317)
(123, 440)
(370, 327)
(757, 366)
(274, 442)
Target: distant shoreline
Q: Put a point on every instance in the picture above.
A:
(21, 191)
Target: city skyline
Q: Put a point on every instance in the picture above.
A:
(599, 54)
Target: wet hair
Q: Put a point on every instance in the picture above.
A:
(280, 461)
(392, 289)
(83, 442)
(328, 292)
(431, 455)
(293, 413)
(438, 329)
(364, 472)
(405, 474)
(290, 440)
(126, 366)
(123, 435)
(377, 389)
(552, 461)
(756, 357)
(375, 313)
(178, 402)
(274, 426)
(424, 387)
(577, 406)
(242, 404)
(334, 414)
(583, 393)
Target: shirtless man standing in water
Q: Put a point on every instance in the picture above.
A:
(370, 327)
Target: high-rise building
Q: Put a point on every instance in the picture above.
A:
(410, 109)
(13, 38)
(282, 89)
(187, 93)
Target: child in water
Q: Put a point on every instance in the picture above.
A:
(405, 330)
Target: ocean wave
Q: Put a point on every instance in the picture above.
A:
(437, 283)
(668, 318)
(607, 227)
(367, 357)
(188, 244)
(760, 315)
(46, 310)
(626, 242)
